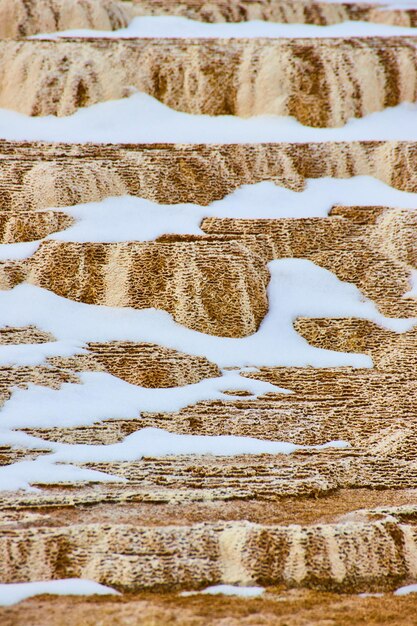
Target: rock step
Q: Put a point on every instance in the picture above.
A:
(36, 175)
(324, 556)
(214, 77)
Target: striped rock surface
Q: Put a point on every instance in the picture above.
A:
(317, 527)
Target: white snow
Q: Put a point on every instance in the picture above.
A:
(141, 118)
(229, 590)
(15, 251)
(12, 593)
(128, 218)
(180, 27)
(151, 442)
(44, 472)
(101, 396)
(404, 591)
(297, 288)
(156, 442)
(146, 442)
(36, 353)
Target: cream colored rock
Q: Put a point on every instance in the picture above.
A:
(286, 11)
(346, 77)
(339, 520)
(21, 18)
(55, 175)
(351, 556)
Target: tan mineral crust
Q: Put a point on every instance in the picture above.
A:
(285, 11)
(315, 528)
(322, 83)
(21, 18)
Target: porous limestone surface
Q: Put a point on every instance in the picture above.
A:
(21, 18)
(348, 77)
(224, 403)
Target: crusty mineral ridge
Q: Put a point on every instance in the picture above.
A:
(23, 226)
(217, 283)
(308, 525)
(246, 520)
(279, 608)
(284, 11)
(40, 175)
(346, 77)
(325, 556)
(20, 18)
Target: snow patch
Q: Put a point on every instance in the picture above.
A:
(36, 353)
(12, 593)
(57, 467)
(128, 218)
(181, 27)
(146, 442)
(101, 396)
(156, 442)
(297, 288)
(228, 590)
(43, 471)
(405, 591)
(141, 118)
(16, 251)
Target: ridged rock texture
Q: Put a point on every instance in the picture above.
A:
(346, 78)
(284, 11)
(316, 527)
(41, 175)
(22, 18)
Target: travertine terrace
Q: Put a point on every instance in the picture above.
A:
(348, 78)
(329, 531)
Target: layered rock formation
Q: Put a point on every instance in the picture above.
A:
(285, 11)
(317, 526)
(43, 175)
(324, 556)
(21, 18)
(319, 82)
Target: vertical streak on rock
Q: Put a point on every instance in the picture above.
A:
(410, 549)
(337, 567)
(295, 568)
(232, 541)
